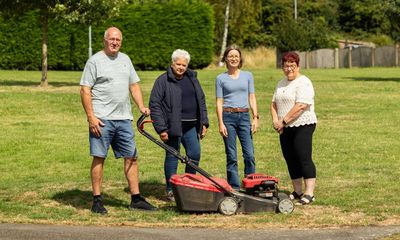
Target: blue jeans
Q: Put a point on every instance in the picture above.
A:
(238, 124)
(191, 142)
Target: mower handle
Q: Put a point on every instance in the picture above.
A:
(184, 159)
(141, 122)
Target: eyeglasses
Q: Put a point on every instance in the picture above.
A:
(290, 67)
(233, 56)
(113, 39)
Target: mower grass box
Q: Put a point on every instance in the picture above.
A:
(196, 193)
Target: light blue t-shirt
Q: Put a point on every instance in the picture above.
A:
(235, 92)
(109, 78)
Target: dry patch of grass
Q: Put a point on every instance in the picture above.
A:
(307, 217)
(258, 58)
(393, 237)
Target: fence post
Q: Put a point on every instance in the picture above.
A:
(349, 57)
(307, 60)
(396, 54)
(373, 50)
(336, 57)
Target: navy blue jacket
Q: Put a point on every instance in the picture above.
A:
(166, 103)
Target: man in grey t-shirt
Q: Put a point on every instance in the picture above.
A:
(107, 82)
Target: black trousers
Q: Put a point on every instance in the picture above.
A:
(296, 145)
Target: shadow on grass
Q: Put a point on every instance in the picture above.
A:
(375, 79)
(82, 199)
(22, 83)
(154, 189)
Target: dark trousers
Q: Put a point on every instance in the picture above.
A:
(296, 145)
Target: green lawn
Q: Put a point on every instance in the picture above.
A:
(44, 163)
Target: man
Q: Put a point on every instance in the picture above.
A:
(107, 82)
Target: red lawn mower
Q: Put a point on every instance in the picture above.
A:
(204, 193)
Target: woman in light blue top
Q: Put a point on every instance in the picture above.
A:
(235, 97)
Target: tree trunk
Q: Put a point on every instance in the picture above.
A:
(225, 37)
(44, 19)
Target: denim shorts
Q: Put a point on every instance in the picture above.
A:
(117, 133)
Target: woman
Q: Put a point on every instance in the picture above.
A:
(293, 116)
(179, 113)
(235, 95)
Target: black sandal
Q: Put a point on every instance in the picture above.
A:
(295, 196)
(305, 200)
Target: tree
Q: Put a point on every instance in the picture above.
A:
(362, 16)
(392, 11)
(276, 11)
(68, 11)
(225, 37)
(245, 25)
(326, 9)
(302, 35)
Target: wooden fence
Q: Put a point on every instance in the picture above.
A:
(361, 56)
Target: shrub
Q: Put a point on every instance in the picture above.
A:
(150, 31)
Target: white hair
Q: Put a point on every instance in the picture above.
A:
(180, 53)
(108, 29)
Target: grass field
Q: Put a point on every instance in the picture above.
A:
(44, 162)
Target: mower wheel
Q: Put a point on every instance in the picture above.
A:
(228, 206)
(285, 206)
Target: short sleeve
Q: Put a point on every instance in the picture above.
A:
(218, 88)
(305, 92)
(133, 77)
(89, 75)
(274, 96)
(251, 83)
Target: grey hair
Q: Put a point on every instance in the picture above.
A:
(108, 29)
(180, 53)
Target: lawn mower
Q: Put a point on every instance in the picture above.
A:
(204, 193)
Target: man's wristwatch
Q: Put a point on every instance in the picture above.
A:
(256, 116)
(284, 122)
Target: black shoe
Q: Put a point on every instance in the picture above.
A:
(141, 204)
(295, 196)
(98, 206)
(305, 200)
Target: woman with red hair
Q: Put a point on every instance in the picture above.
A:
(293, 117)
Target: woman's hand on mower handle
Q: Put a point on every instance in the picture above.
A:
(164, 136)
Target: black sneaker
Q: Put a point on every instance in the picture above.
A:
(141, 204)
(98, 206)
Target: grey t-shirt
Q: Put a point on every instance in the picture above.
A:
(109, 78)
(235, 92)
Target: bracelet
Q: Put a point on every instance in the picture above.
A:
(284, 122)
(256, 116)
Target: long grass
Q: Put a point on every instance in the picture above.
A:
(44, 162)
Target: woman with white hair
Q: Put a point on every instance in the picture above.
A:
(179, 113)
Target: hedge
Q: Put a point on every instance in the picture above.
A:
(150, 34)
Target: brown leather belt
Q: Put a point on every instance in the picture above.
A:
(236, 110)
